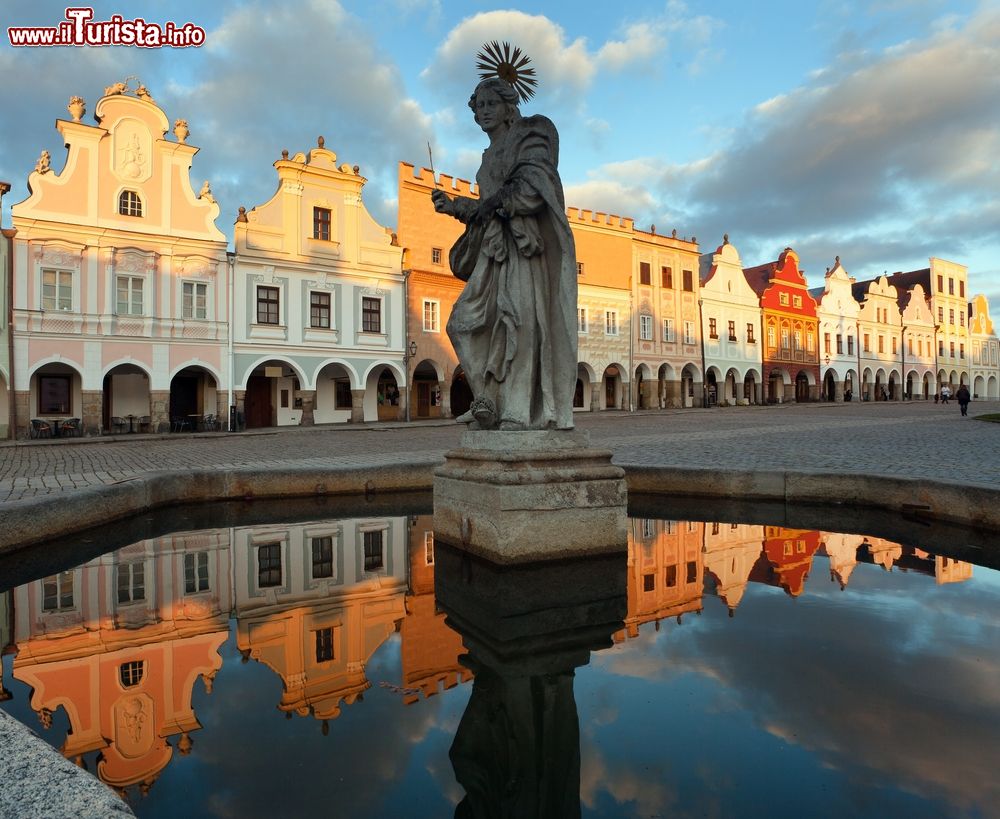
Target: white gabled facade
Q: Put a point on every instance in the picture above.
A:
(879, 334)
(837, 312)
(730, 323)
(119, 304)
(918, 345)
(985, 362)
(319, 304)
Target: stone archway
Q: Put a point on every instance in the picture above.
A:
(194, 400)
(126, 400)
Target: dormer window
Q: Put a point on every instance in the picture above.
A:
(322, 218)
(129, 204)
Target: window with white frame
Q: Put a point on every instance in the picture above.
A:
(195, 572)
(581, 321)
(195, 300)
(428, 548)
(57, 290)
(668, 329)
(432, 316)
(689, 332)
(267, 305)
(129, 204)
(611, 322)
(374, 550)
(57, 592)
(783, 299)
(435, 255)
(371, 314)
(129, 295)
(646, 328)
(322, 556)
(319, 310)
(131, 582)
(268, 565)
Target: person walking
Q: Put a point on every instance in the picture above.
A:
(945, 394)
(963, 397)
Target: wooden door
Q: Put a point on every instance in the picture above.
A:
(257, 405)
(423, 399)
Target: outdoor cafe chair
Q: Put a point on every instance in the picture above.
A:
(179, 424)
(40, 428)
(118, 424)
(70, 428)
(145, 423)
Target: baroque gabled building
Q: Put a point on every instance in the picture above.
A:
(837, 316)
(120, 297)
(985, 364)
(917, 344)
(879, 335)
(319, 308)
(730, 328)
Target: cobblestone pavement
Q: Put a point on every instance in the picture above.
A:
(916, 440)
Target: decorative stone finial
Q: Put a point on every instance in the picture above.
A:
(673, 233)
(117, 88)
(181, 130)
(77, 108)
(143, 93)
(284, 153)
(242, 215)
(837, 259)
(694, 240)
(725, 238)
(320, 142)
(206, 192)
(42, 165)
(652, 229)
(357, 170)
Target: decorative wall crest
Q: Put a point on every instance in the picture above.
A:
(57, 257)
(132, 151)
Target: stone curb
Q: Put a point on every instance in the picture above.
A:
(28, 522)
(38, 781)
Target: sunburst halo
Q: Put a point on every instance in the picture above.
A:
(509, 64)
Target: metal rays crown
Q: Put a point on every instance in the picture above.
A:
(510, 65)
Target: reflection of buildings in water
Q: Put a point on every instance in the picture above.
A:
(665, 573)
(882, 552)
(314, 601)
(430, 648)
(730, 552)
(842, 550)
(6, 636)
(948, 570)
(119, 643)
(786, 559)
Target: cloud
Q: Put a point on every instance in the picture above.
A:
(641, 41)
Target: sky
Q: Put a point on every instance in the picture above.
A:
(865, 130)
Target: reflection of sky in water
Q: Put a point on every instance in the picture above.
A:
(879, 700)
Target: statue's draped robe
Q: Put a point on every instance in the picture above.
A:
(514, 326)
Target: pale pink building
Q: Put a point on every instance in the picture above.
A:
(120, 276)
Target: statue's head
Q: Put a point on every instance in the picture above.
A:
(504, 90)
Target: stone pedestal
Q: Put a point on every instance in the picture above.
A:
(519, 497)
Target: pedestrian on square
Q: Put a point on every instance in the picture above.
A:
(945, 394)
(964, 398)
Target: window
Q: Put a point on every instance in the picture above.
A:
(342, 394)
(951, 351)
(951, 316)
(579, 268)
(894, 345)
(712, 330)
(435, 255)
(371, 315)
(961, 351)
(881, 344)
(130, 673)
(57, 290)
(195, 300)
(324, 645)
(646, 328)
(940, 284)
(322, 556)
(321, 224)
(319, 310)
(940, 315)
(783, 299)
(269, 565)
(648, 582)
(797, 338)
(581, 320)
(961, 289)
(57, 592)
(840, 344)
(796, 301)
(644, 274)
(54, 394)
(432, 321)
(648, 528)
(667, 277)
(195, 572)
(850, 345)
(611, 323)
(129, 204)
(941, 347)
(689, 332)
(826, 343)
(688, 280)
(428, 548)
(732, 331)
(951, 286)
(267, 305)
(692, 571)
(129, 292)
(961, 318)
(810, 342)
(868, 343)
(131, 582)
(668, 329)
(771, 342)
(785, 338)
(670, 578)
(373, 551)
(750, 338)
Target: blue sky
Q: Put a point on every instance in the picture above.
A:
(864, 130)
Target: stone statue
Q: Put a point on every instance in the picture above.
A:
(206, 192)
(42, 165)
(514, 325)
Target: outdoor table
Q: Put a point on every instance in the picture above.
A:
(195, 420)
(131, 421)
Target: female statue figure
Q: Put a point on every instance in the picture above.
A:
(514, 327)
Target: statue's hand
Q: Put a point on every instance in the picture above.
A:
(488, 208)
(442, 202)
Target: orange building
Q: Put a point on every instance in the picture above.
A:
(430, 648)
(789, 325)
(786, 559)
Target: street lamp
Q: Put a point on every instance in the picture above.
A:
(408, 354)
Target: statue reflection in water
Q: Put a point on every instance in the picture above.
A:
(526, 629)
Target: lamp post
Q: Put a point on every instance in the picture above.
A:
(408, 354)
(828, 396)
(704, 375)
